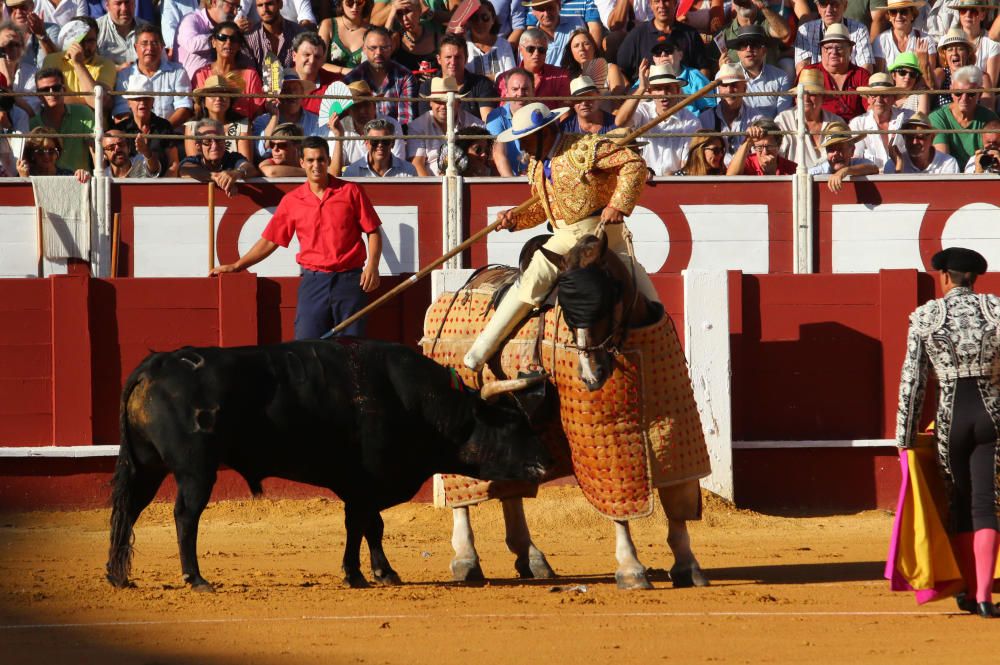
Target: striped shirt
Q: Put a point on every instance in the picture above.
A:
(807, 42)
(399, 83)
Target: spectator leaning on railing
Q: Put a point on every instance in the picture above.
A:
(706, 156)
(520, 84)
(474, 146)
(41, 157)
(919, 155)
(162, 75)
(663, 155)
(840, 161)
(760, 154)
(215, 163)
(17, 70)
(750, 45)
(122, 161)
(987, 158)
(82, 68)
(283, 159)
(378, 161)
(162, 153)
(964, 112)
(116, 32)
(75, 153)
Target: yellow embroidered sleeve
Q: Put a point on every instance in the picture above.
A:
(534, 214)
(630, 170)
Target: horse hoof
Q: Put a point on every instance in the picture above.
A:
(534, 568)
(356, 580)
(119, 583)
(203, 587)
(386, 578)
(688, 576)
(467, 570)
(633, 581)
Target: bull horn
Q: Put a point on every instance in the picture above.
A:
(495, 388)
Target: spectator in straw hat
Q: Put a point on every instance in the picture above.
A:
(731, 114)
(964, 112)
(546, 15)
(663, 155)
(760, 154)
(453, 55)
(283, 152)
(908, 76)
(423, 153)
(919, 155)
(163, 75)
(971, 15)
(588, 117)
(839, 73)
(955, 51)
(219, 108)
(902, 36)
(284, 111)
(840, 160)
(882, 115)
(816, 119)
(987, 158)
(810, 37)
(378, 160)
(350, 124)
(161, 154)
(750, 45)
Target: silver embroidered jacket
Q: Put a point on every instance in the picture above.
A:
(959, 335)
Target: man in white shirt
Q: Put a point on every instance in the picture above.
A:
(163, 76)
(919, 155)
(423, 153)
(379, 162)
(840, 161)
(731, 114)
(882, 114)
(664, 156)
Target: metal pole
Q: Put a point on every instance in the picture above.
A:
(802, 246)
(451, 191)
(451, 135)
(98, 130)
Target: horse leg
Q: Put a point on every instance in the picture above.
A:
(681, 502)
(382, 572)
(193, 492)
(530, 562)
(356, 522)
(631, 574)
(465, 566)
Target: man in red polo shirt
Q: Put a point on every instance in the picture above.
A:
(329, 216)
(839, 73)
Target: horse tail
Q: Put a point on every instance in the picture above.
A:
(122, 537)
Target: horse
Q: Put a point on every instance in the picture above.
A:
(600, 304)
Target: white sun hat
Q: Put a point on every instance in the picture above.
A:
(529, 119)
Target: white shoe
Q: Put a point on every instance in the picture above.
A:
(508, 314)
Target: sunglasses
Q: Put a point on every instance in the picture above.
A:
(483, 17)
(280, 145)
(751, 45)
(902, 72)
(713, 148)
(897, 12)
(381, 143)
(59, 87)
(959, 95)
(115, 145)
(208, 142)
(226, 36)
(353, 3)
(532, 50)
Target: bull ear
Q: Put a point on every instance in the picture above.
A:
(555, 259)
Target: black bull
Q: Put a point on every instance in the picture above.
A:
(371, 421)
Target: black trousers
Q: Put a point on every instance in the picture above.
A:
(972, 449)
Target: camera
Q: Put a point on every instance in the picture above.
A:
(989, 163)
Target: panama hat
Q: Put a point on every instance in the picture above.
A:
(918, 119)
(216, 83)
(440, 87)
(836, 32)
(903, 4)
(955, 36)
(581, 85)
(907, 60)
(837, 132)
(529, 119)
(661, 75)
(810, 80)
(731, 73)
(880, 84)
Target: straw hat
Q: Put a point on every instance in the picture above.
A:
(906, 60)
(731, 73)
(973, 4)
(536, 3)
(837, 32)
(903, 4)
(582, 85)
(216, 83)
(661, 75)
(360, 89)
(440, 87)
(880, 84)
(918, 119)
(955, 36)
(837, 132)
(811, 80)
(529, 119)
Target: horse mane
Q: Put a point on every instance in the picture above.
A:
(591, 250)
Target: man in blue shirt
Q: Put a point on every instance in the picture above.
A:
(507, 156)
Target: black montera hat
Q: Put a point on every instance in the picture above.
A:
(959, 259)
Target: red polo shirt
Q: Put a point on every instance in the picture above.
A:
(329, 229)
(752, 166)
(846, 106)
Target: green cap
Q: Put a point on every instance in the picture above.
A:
(908, 59)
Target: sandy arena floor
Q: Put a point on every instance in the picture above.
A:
(784, 590)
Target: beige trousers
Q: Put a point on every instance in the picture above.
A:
(538, 279)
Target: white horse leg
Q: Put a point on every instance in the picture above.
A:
(631, 574)
(465, 566)
(530, 562)
(678, 500)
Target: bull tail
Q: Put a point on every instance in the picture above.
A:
(122, 537)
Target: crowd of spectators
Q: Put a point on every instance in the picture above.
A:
(862, 67)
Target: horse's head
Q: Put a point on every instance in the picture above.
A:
(592, 282)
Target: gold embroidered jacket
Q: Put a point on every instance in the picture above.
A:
(589, 172)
